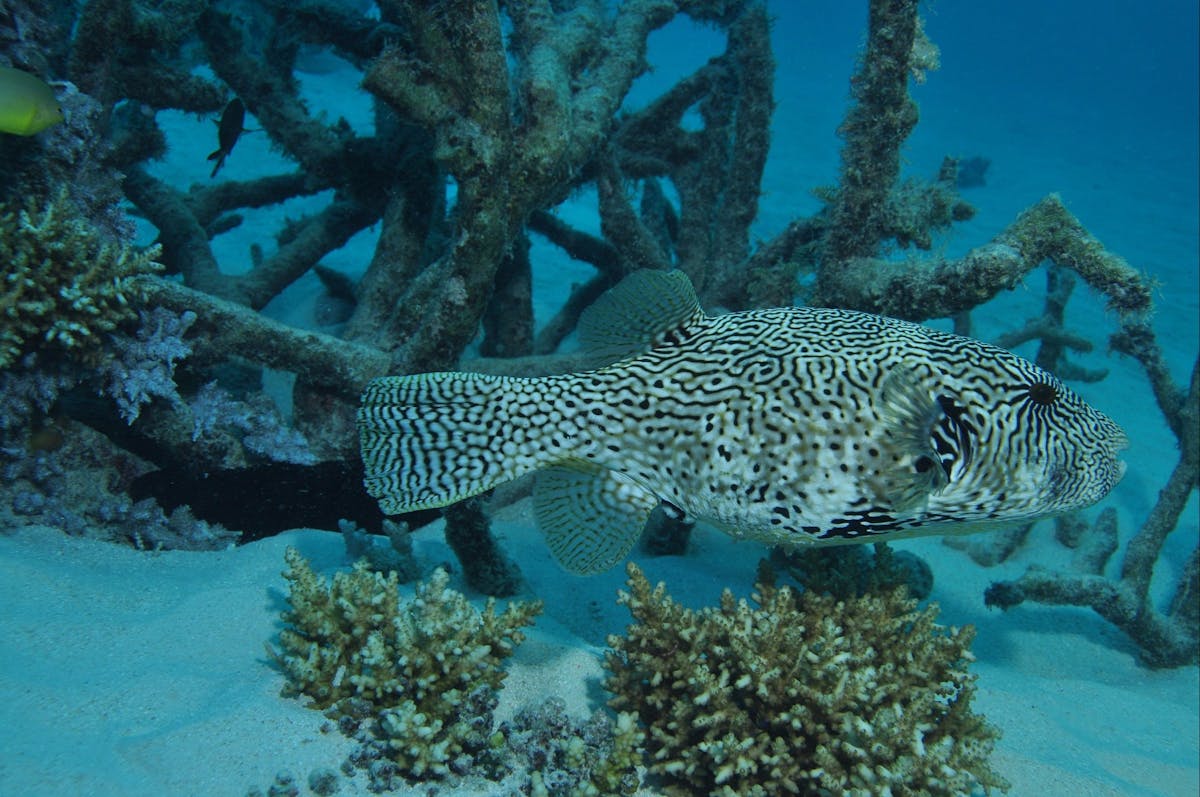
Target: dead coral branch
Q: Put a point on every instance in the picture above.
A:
(338, 366)
(935, 288)
(881, 119)
(514, 139)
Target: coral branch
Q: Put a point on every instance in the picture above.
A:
(717, 170)
(880, 121)
(184, 221)
(184, 240)
(513, 142)
(315, 237)
(354, 36)
(222, 327)
(1137, 339)
(267, 88)
(939, 288)
(109, 54)
(581, 246)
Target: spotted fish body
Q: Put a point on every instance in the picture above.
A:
(790, 426)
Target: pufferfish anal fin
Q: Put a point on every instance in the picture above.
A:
(591, 516)
(910, 413)
(638, 313)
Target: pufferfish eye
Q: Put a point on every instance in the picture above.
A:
(1043, 393)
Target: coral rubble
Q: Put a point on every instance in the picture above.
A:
(565, 757)
(805, 694)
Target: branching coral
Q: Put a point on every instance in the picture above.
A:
(63, 283)
(143, 367)
(870, 208)
(255, 422)
(419, 673)
(937, 288)
(882, 115)
(516, 141)
(716, 170)
(802, 695)
(110, 46)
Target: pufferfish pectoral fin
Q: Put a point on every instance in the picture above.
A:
(591, 516)
(910, 414)
(632, 317)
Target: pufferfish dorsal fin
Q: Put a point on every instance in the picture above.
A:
(910, 414)
(637, 313)
(591, 516)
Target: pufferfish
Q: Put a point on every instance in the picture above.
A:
(791, 426)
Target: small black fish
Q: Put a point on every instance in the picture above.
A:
(229, 130)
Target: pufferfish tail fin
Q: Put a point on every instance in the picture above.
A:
(430, 440)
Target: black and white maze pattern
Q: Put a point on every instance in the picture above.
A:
(791, 425)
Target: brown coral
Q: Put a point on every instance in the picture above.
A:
(802, 695)
(61, 283)
(423, 668)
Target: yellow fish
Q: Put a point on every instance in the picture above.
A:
(27, 104)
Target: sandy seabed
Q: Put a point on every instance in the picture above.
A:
(132, 673)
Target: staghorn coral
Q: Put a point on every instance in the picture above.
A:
(417, 680)
(63, 283)
(802, 695)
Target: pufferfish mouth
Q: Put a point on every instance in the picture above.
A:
(1120, 443)
(1109, 475)
(1089, 479)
